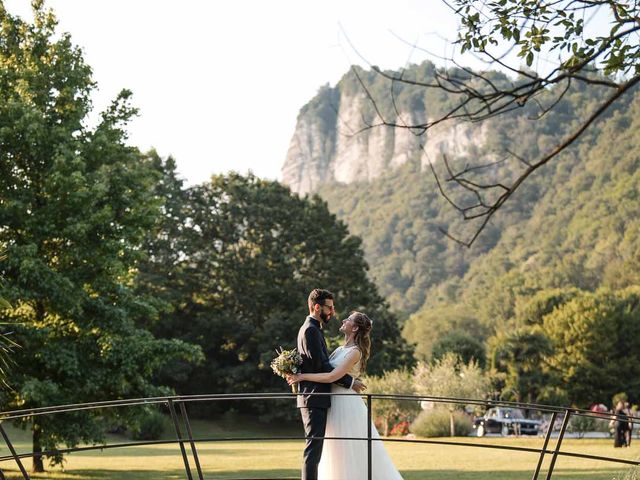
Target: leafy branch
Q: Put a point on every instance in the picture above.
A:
(536, 29)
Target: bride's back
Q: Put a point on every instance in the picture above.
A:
(340, 354)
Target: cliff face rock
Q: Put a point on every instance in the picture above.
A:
(307, 158)
(333, 143)
(454, 140)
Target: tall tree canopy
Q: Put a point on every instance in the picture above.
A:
(596, 340)
(249, 253)
(75, 203)
(517, 360)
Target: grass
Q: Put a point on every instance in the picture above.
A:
(281, 459)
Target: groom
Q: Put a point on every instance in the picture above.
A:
(315, 359)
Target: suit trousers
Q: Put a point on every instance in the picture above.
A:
(315, 423)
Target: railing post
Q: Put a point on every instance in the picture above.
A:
(369, 441)
(544, 447)
(13, 452)
(563, 428)
(174, 417)
(194, 451)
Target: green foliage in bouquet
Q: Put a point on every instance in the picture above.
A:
(287, 362)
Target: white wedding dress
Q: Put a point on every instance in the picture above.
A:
(347, 417)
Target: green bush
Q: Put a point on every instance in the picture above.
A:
(580, 424)
(436, 423)
(151, 427)
(601, 425)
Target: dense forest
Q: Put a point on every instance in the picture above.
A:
(569, 237)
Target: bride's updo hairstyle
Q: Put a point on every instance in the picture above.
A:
(363, 337)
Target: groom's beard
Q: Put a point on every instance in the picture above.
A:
(325, 317)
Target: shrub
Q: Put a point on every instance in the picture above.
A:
(580, 424)
(436, 423)
(151, 427)
(389, 412)
(601, 425)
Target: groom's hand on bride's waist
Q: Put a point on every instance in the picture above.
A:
(358, 386)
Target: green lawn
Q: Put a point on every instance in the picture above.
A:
(281, 459)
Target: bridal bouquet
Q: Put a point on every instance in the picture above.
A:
(287, 362)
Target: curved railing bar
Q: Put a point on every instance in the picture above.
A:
(14, 414)
(183, 399)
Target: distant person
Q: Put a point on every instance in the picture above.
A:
(347, 417)
(621, 426)
(627, 410)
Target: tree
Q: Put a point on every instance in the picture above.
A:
(608, 63)
(519, 356)
(6, 344)
(595, 338)
(428, 326)
(75, 203)
(249, 254)
(467, 347)
(393, 382)
(532, 310)
(449, 377)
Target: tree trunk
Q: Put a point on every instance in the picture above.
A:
(38, 464)
(452, 424)
(386, 427)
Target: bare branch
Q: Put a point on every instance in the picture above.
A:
(519, 158)
(437, 179)
(557, 100)
(364, 87)
(624, 88)
(599, 61)
(508, 191)
(603, 107)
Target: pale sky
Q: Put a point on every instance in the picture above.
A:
(219, 83)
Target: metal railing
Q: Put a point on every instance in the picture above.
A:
(177, 408)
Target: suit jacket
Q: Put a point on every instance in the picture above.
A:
(315, 359)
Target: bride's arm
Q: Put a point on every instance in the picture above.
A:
(340, 371)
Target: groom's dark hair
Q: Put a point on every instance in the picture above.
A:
(318, 295)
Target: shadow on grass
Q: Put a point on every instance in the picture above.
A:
(164, 451)
(565, 474)
(282, 474)
(103, 475)
(159, 475)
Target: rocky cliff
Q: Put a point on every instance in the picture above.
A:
(336, 140)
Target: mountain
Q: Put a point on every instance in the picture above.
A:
(573, 223)
(334, 141)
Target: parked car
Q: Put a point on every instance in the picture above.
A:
(505, 421)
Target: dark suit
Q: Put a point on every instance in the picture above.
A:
(313, 408)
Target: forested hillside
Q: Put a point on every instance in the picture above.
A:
(574, 224)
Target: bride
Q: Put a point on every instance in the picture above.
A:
(347, 417)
